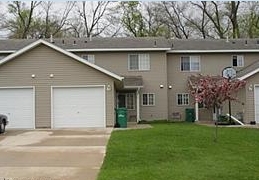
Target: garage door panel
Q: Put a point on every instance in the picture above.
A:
(18, 105)
(78, 107)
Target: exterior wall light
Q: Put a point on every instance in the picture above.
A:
(250, 88)
(170, 87)
(161, 86)
(33, 75)
(108, 87)
(51, 75)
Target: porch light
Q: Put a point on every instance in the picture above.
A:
(250, 88)
(161, 86)
(33, 75)
(170, 87)
(51, 75)
(108, 88)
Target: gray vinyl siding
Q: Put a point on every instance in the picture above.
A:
(43, 61)
(117, 62)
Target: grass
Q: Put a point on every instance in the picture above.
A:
(182, 151)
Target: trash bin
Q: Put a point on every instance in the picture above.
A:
(189, 115)
(121, 117)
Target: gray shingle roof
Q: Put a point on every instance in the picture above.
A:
(215, 44)
(14, 44)
(138, 43)
(94, 43)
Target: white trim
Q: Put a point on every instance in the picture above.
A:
(148, 105)
(256, 85)
(132, 87)
(181, 105)
(190, 71)
(138, 104)
(249, 74)
(214, 51)
(138, 54)
(118, 49)
(33, 99)
(40, 41)
(7, 51)
(79, 86)
(238, 55)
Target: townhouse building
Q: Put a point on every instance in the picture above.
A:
(79, 82)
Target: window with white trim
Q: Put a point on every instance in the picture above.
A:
(148, 99)
(138, 62)
(190, 63)
(89, 58)
(182, 99)
(238, 61)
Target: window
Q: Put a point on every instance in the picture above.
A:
(183, 99)
(190, 63)
(126, 100)
(139, 62)
(148, 99)
(89, 58)
(237, 61)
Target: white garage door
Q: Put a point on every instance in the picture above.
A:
(78, 107)
(18, 105)
(256, 94)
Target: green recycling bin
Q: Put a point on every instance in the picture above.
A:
(189, 115)
(121, 117)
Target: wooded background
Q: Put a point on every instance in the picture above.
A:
(182, 20)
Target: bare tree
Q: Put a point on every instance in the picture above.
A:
(213, 11)
(232, 10)
(51, 23)
(90, 19)
(22, 19)
(173, 17)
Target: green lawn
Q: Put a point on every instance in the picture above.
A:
(182, 151)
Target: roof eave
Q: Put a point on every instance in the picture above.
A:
(118, 49)
(214, 51)
(249, 74)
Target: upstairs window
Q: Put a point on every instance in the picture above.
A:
(190, 63)
(139, 62)
(238, 61)
(89, 58)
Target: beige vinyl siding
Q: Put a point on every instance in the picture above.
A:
(43, 61)
(210, 64)
(250, 105)
(117, 62)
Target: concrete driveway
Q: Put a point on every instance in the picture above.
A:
(52, 154)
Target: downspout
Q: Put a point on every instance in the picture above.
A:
(196, 109)
(138, 106)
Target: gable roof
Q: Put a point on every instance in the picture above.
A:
(93, 44)
(75, 57)
(248, 71)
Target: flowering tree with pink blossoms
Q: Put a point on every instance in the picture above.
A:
(213, 91)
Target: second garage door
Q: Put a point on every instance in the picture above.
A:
(78, 107)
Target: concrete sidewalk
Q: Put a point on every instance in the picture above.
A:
(53, 154)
